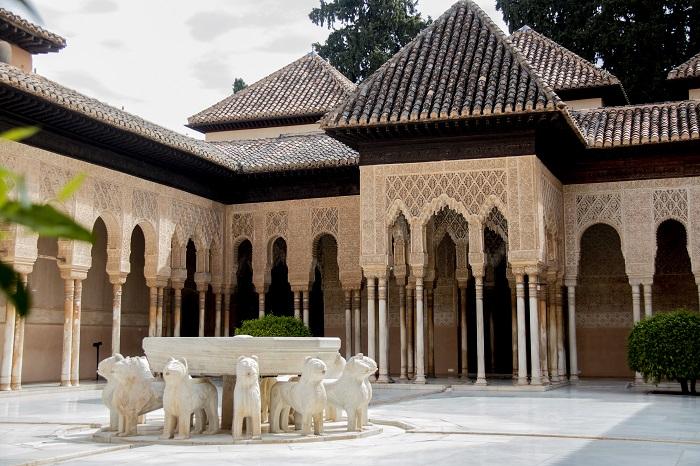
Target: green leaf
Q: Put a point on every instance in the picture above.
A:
(71, 187)
(15, 290)
(19, 134)
(44, 220)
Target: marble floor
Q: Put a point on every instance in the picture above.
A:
(593, 423)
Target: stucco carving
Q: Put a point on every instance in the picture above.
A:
(276, 224)
(242, 225)
(324, 220)
(670, 203)
(107, 196)
(144, 205)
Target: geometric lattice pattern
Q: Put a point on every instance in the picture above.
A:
(106, 196)
(242, 225)
(144, 204)
(596, 207)
(447, 221)
(472, 188)
(276, 223)
(193, 219)
(52, 180)
(497, 223)
(670, 203)
(324, 220)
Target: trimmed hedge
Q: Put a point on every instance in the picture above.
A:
(274, 326)
(667, 346)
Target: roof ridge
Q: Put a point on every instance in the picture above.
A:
(32, 28)
(669, 103)
(676, 71)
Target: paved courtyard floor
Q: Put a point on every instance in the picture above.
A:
(594, 423)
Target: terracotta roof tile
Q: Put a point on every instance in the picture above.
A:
(460, 66)
(309, 86)
(288, 153)
(69, 99)
(559, 67)
(639, 124)
(689, 69)
(28, 35)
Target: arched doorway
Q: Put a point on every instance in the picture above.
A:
(445, 309)
(135, 298)
(603, 304)
(497, 307)
(674, 283)
(326, 307)
(279, 299)
(190, 297)
(245, 298)
(45, 321)
(96, 319)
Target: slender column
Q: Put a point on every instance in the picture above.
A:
(18, 349)
(177, 310)
(535, 369)
(552, 357)
(297, 304)
(420, 356)
(357, 335)
(8, 346)
(371, 335)
(636, 316)
(522, 336)
(217, 318)
(261, 304)
(227, 311)
(75, 340)
(305, 306)
(411, 310)
(647, 300)
(348, 323)
(481, 364)
(514, 327)
(464, 367)
(67, 331)
(159, 312)
(573, 357)
(383, 333)
(152, 310)
(542, 301)
(403, 375)
(202, 308)
(430, 296)
(561, 352)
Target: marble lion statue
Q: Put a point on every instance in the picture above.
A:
(371, 362)
(136, 392)
(185, 396)
(335, 369)
(307, 397)
(246, 398)
(104, 368)
(349, 392)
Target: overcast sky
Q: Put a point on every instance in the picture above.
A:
(165, 60)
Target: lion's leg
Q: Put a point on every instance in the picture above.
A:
(275, 418)
(284, 419)
(306, 424)
(113, 419)
(365, 416)
(331, 412)
(297, 421)
(212, 412)
(168, 427)
(183, 427)
(237, 428)
(318, 423)
(254, 426)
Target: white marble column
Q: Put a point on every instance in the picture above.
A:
(636, 317)
(410, 336)
(68, 292)
(420, 353)
(261, 304)
(75, 339)
(535, 366)
(383, 332)
(152, 310)
(513, 326)
(217, 309)
(647, 300)
(371, 319)
(464, 353)
(561, 351)
(227, 311)
(159, 312)
(18, 348)
(305, 305)
(573, 356)
(177, 307)
(480, 362)
(357, 320)
(116, 316)
(348, 323)
(430, 301)
(552, 357)
(403, 374)
(7, 346)
(522, 336)
(544, 359)
(297, 304)
(202, 289)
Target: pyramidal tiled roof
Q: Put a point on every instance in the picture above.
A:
(308, 87)
(634, 125)
(29, 36)
(689, 69)
(461, 66)
(559, 67)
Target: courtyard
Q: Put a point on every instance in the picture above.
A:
(595, 422)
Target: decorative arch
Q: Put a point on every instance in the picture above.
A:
(442, 201)
(398, 207)
(586, 228)
(496, 221)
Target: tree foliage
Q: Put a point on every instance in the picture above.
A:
(238, 85)
(43, 219)
(638, 41)
(366, 33)
(667, 346)
(274, 326)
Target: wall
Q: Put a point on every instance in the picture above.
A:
(260, 133)
(694, 94)
(581, 104)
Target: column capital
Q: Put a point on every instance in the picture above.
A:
(73, 273)
(117, 278)
(177, 284)
(202, 278)
(375, 271)
(157, 282)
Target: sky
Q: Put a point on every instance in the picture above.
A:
(165, 60)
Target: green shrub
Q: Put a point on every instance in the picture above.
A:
(667, 346)
(274, 326)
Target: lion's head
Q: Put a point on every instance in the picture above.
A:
(314, 370)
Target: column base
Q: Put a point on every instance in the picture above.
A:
(403, 377)
(481, 382)
(16, 386)
(383, 379)
(5, 387)
(65, 383)
(522, 381)
(420, 379)
(573, 378)
(535, 381)
(74, 383)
